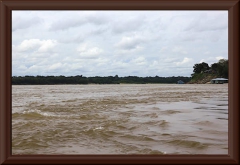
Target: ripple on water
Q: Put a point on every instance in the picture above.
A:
(119, 119)
(188, 144)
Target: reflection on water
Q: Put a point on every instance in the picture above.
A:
(120, 119)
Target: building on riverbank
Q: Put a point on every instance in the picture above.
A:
(180, 82)
(219, 81)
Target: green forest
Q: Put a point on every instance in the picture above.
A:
(79, 79)
(200, 72)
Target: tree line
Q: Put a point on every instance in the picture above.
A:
(219, 69)
(79, 79)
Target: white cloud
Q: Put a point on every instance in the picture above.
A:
(74, 19)
(127, 24)
(179, 49)
(130, 42)
(207, 52)
(22, 67)
(206, 23)
(118, 65)
(184, 62)
(144, 43)
(210, 60)
(47, 45)
(219, 57)
(139, 61)
(102, 62)
(66, 23)
(55, 66)
(88, 52)
(27, 45)
(36, 45)
(35, 69)
(170, 60)
(20, 22)
(163, 49)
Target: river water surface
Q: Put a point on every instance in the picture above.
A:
(120, 119)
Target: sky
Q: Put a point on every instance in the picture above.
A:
(123, 43)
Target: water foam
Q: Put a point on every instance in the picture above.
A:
(47, 114)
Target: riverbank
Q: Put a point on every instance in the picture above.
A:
(202, 78)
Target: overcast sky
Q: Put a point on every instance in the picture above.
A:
(123, 43)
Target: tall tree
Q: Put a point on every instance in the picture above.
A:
(198, 68)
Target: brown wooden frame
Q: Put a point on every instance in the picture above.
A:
(6, 7)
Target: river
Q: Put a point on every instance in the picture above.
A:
(120, 119)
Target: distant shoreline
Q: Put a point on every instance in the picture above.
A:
(79, 79)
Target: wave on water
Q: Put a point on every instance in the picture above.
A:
(188, 144)
(131, 120)
(34, 113)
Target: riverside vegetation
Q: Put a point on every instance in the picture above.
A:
(79, 79)
(202, 73)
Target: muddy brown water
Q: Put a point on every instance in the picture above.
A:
(120, 119)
